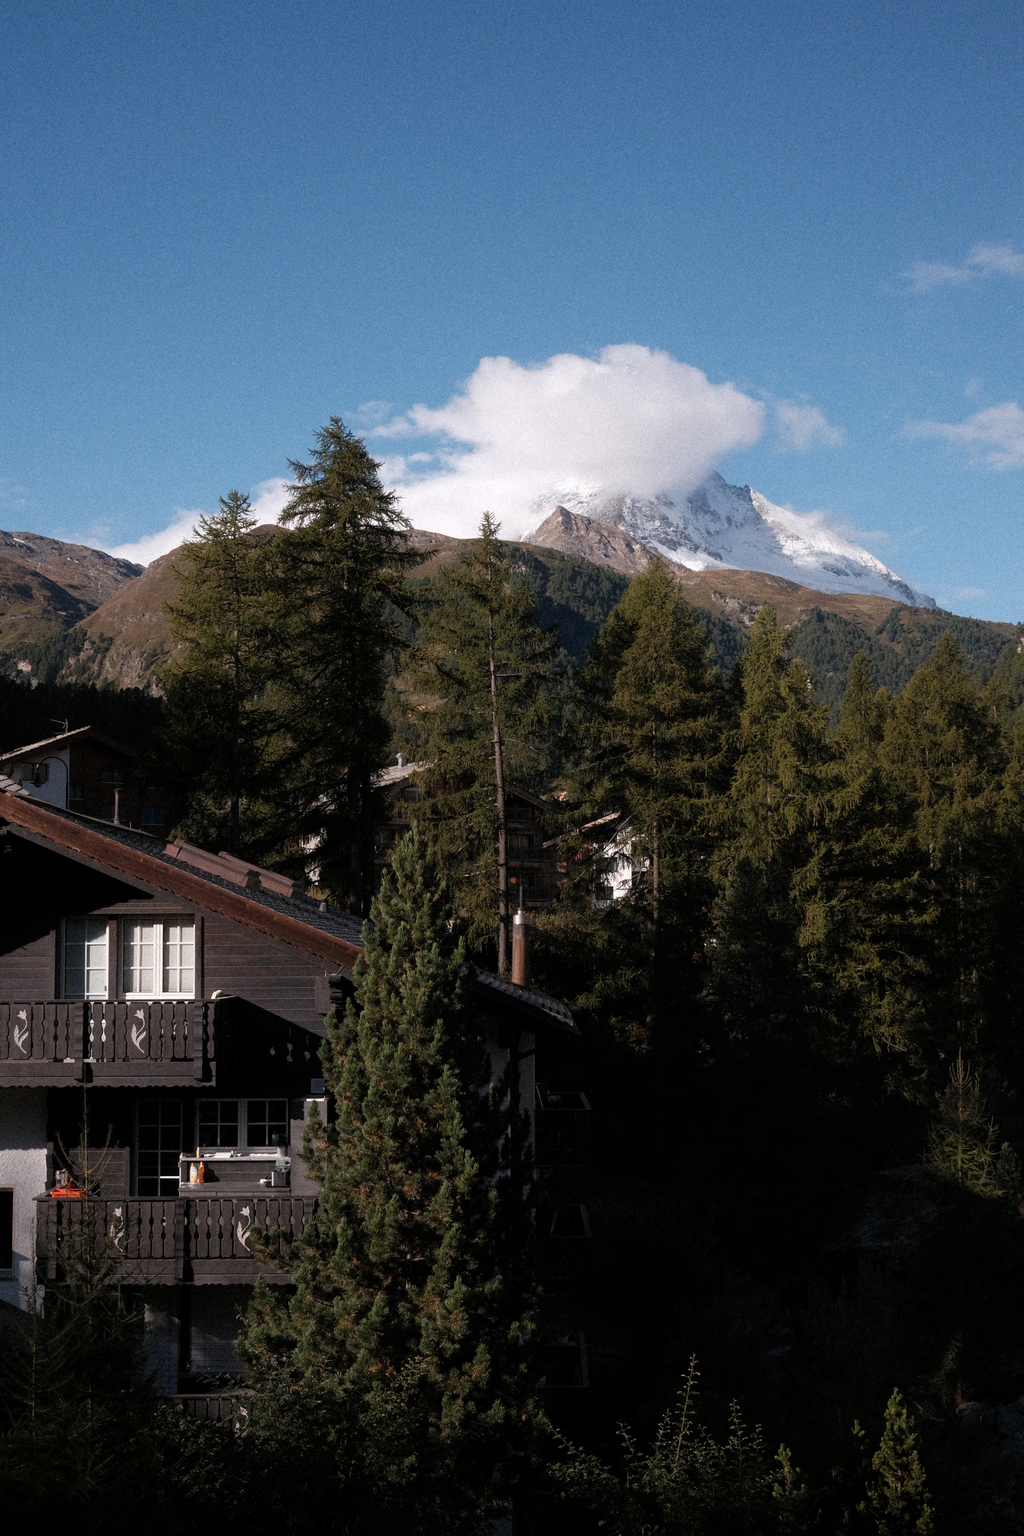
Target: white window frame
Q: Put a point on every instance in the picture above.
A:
(158, 925)
(64, 948)
(116, 940)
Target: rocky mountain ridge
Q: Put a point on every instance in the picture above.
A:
(730, 527)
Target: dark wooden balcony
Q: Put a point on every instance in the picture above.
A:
(135, 1044)
(167, 1242)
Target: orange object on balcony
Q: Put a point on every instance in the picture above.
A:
(68, 1191)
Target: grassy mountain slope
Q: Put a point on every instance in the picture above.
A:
(47, 587)
(53, 632)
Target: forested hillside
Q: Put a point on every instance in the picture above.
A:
(800, 1028)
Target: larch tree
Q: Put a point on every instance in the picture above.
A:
(403, 1344)
(484, 673)
(339, 584)
(222, 746)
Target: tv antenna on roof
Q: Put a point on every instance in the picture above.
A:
(62, 723)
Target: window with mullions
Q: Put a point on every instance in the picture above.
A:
(158, 957)
(84, 963)
(245, 1124)
(266, 1120)
(159, 1147)
(218, 1123)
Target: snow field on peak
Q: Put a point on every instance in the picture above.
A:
(721, 526)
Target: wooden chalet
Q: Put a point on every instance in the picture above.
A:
(85, 771)
(173, 1001)
(532, 861)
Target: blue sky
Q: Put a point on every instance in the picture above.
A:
(225, 223)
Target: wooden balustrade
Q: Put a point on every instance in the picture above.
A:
(219, 1230)
(161, 1242)
(141, 1044)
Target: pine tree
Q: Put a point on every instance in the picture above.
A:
(339, 582)
(897, 1497)
(413, 1295)
(221, 744)
(484, 672)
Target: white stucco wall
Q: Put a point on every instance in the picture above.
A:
(23, 1168)
(55, 790)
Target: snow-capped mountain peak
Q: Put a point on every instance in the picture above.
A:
(721, 526)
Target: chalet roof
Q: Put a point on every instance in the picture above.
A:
(259, 898)
(399, 771)
(55, 743)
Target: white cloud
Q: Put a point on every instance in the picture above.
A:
(994, 436)
(268, 500)
(800, 427)
(631, 420)
(982, 261)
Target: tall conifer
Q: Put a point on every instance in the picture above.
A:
(779, 784)
(222, 747)
(860, 900)
(339, 578)
(942, 744)
(413, 1291)
(649, 745)
(485, 673)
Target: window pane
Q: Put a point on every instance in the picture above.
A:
(159, 1148)
(267, 1119)
(85, 957)
(218, 1123)
(179, 958)
(138, 953)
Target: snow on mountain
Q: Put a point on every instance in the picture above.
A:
(723, 526)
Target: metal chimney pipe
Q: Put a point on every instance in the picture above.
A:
(520, 950)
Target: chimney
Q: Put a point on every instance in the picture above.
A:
(520, 950)
(401, 759)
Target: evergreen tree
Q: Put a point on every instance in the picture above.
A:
(779, 786)
(862, 933)
(403, 1344)
(74, 1397)
(484, 671)
(964, 1142)
(221, 748)
(649, 748)
(897, 1497)
(943, 748)
(339, 584)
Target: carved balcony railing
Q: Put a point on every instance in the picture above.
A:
(164, 1242)
(141, 1044)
